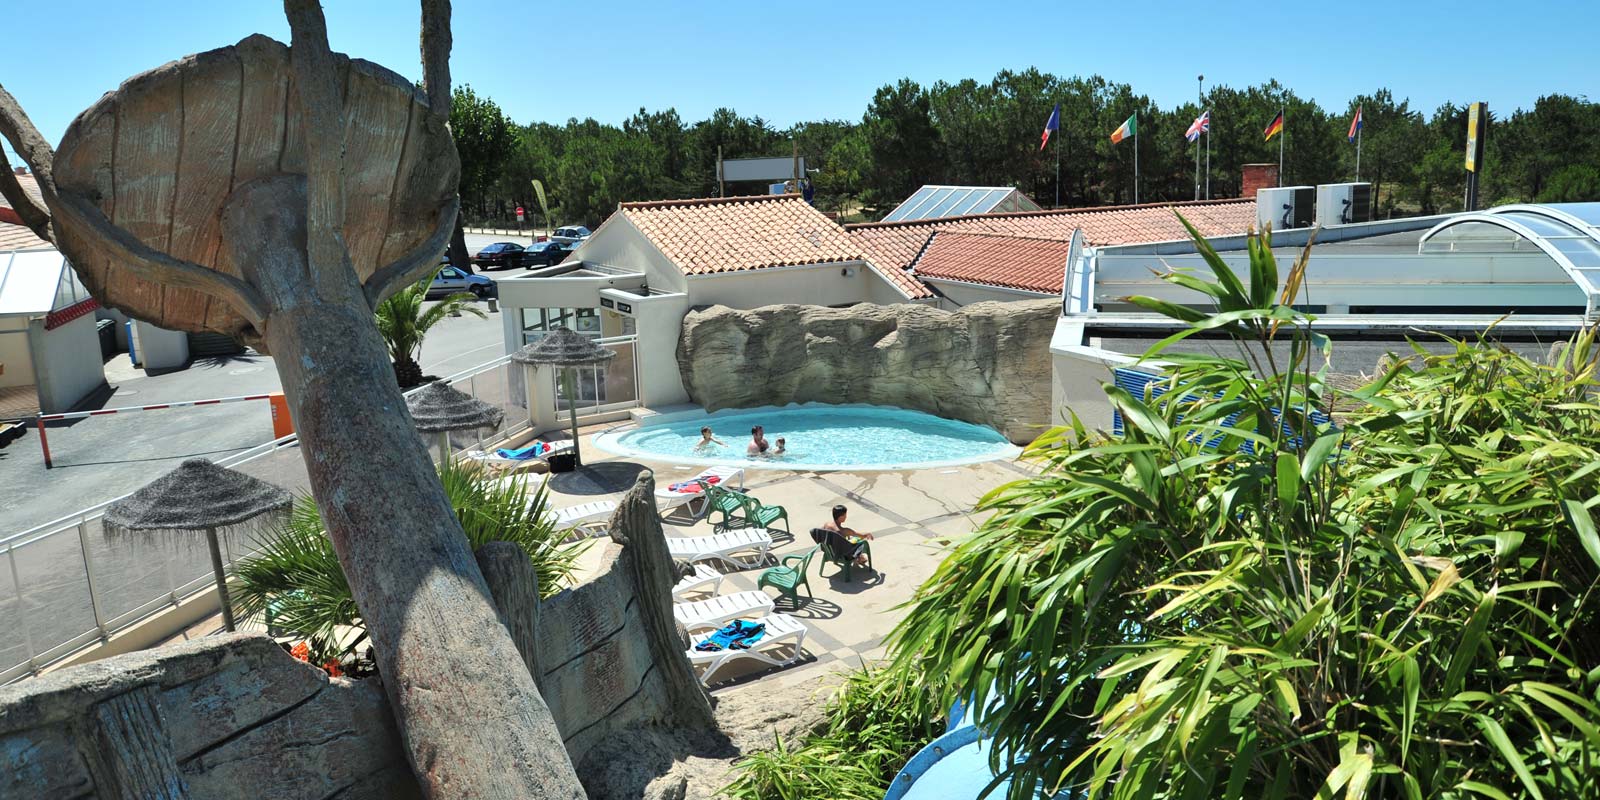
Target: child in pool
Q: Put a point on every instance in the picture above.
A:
(782, 448)
(707, 440)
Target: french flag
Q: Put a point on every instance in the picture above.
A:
(1355, 124)
(1051, 124)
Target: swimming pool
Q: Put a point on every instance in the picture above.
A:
(818, 437)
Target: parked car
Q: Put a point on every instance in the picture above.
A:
(450, 280)
(500, 255)
(547, 254)
(571, 234)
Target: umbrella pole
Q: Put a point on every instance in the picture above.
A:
(222, 579)
(571, 379)
(444, 448)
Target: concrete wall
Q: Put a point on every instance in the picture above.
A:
(15, 352)
(659, 322)
(619, 244)
(957, 294)
(160, 348)
(812, 285)
(69, 365)
(1077, 373)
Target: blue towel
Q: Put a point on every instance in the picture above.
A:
(531, 451)
(737, 635)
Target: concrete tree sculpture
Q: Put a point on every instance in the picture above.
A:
(279, 193)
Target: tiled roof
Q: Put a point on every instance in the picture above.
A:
(1015, 262)
(896, 244)
(17, 237)
(30, 185)
(732, 234)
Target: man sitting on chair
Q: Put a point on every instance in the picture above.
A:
(843, 547)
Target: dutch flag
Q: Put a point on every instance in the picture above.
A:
(1355, 124)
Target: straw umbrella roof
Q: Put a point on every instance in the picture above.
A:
(441, 407)
(196, 496)
(563, 347)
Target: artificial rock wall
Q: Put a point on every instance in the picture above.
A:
(234, 716)
(227, 716)
(987, 363)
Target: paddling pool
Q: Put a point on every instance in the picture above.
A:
(820, 437)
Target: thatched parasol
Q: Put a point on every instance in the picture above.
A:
(440, 408)
(199, 496)
(566, 349)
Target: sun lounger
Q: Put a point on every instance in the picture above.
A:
(689, 492)
(724, 546)
(783, 633)
(702, 579)
(585, 517)
(718, 611)
(498, 461)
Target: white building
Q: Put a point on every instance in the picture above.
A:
(1526, 276)
(633, 281)
(50, 356)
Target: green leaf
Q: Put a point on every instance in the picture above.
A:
(1497, 737)
(1288, 482)
(1583, 525)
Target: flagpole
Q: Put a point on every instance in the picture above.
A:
(1282, 135)
(1058, 160)
(1358, 153)
(1136, 159)
(1208, 160)
(1197, 168)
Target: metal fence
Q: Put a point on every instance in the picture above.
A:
(69, 584)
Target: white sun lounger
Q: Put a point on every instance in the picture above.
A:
(782, 632)
(498, 461)
(702, 580)
(720, 610)
(666, 499)
(584, 517)
(723, 546)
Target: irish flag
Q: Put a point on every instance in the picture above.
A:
(1128, 128)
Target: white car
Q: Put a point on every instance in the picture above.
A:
(570, 235)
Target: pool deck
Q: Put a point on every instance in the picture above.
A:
(909, 513)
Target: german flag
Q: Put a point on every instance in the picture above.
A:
(1276, 127)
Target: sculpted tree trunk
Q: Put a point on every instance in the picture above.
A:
(279, 195)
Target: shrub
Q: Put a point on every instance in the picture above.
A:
(1232, 600)
(876, 721)
(298, 574)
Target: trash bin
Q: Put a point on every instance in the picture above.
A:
(107, 331)
(562, 462)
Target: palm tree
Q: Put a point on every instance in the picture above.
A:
(403, 322)
(297, 575)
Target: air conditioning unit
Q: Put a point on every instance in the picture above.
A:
(1344, 203)
(1285, 207)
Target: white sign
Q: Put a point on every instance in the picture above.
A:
(781, 168)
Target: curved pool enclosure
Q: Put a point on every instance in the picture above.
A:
(819, 437)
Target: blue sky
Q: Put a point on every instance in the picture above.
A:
(788, 62)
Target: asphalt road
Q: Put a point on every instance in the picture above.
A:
(101, 458)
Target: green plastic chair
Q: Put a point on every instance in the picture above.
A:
(757, 515)
(789, 576)
(822, 536)
(729, 504)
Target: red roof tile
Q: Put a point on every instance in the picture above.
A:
(731, 234)
(1014, 262)
(17, 237)
(897, 244)
(30, 185)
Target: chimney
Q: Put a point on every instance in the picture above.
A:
(1257, 176)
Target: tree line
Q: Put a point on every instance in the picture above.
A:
(989, 133)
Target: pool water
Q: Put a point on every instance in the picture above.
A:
(818, 437)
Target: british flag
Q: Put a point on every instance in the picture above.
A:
(1201, 124)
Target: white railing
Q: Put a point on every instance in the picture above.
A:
(70, 584)
(611, 386)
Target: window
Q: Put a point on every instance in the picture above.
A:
(450, 273)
